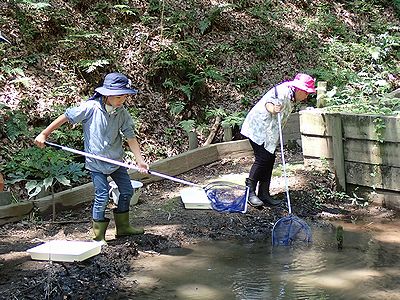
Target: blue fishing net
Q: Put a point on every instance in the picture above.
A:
(289, 230)
(227, 196)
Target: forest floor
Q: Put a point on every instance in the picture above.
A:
(168, 225)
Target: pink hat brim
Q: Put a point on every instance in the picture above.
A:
(300, 85)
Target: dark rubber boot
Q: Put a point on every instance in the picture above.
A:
(123, 227)
(264, 196)
(99, 229)
(253, 199)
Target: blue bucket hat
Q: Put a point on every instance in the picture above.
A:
(116, 84)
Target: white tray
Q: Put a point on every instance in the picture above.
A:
(195, 198)
(68, 251)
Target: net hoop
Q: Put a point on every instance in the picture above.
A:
(289, 230)
(227, 196)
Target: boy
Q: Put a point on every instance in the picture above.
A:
(104, 121)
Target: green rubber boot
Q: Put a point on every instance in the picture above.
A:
(123, 227)
(99, 229)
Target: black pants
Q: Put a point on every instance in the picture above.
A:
(261, 170)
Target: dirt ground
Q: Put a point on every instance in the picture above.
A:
(167, 224)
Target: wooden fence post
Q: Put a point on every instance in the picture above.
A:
(335, 124)
(193, 143)
(227, 133)
(321, 93)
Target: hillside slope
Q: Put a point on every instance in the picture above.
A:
(191, 60)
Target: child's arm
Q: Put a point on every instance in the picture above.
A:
(41, 138)
(135, 148)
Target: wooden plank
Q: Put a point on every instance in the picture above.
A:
(313, 122)
(234, 149)
(363, 127)
(187, 161)
(67, 198)
(179, 164)
(372, 152)
(15, 209)
(10, 220)
(314, 146)
(391, 200)
(335, 126)
(291, 131)
(376, 176)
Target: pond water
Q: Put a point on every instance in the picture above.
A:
(368, 267)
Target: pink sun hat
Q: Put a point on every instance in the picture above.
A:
(304, 82)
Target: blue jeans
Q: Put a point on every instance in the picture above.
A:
(101, 188)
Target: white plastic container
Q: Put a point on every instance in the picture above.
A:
(195, 198)
(114, 192)
(69, 251)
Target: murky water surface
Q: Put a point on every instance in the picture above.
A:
(368, 267)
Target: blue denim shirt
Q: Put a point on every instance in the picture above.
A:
(102, 132)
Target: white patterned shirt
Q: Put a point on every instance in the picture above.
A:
(260, 125)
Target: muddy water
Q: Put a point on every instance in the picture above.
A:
(368, 267)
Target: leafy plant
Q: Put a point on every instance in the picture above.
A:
(211, 18)
(43, 168)
(187, 125)
(16, 125)
(215, 112)
(234, 119)
(176, 107)
(91, 65)
(34, 4)
(126, 9)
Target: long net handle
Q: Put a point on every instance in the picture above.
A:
(122, 164)
(284, 163)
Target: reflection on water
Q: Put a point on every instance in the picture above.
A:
(366, 268)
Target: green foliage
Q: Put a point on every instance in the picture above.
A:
(16, 125)
(64, 90)
(34, 4)
(265, 12)
(260, 45)
(126, 9)
(379, 126)
(74, 37)
(396, 4)
(14, 72)
(176, 107)
(91, 65)
(181, 68)
(179, 23)
(327, 22)
(72, 137)
(210, 19)
(215, 112)
(234, 119)
(43, 168)
(187, 125)
(361, 72)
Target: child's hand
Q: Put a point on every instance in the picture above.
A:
(143, 167)
(40, 139)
